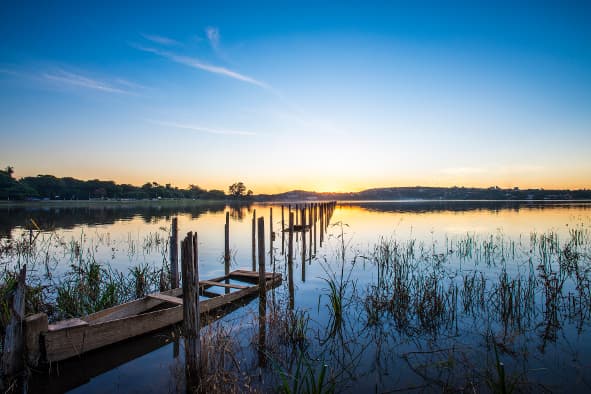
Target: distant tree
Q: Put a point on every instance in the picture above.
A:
(9, 171)
(249, 193)
(237, 189)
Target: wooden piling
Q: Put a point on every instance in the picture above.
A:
(174, 254)
(35, 325)
(282, 231)
(310, 233)
(12, 355)
(290, 262)
(303, 216)
(262, 292)
(315, 220)
(227, 245)
(321, 224)
(227, 250)
(254, 241)
(191, 313)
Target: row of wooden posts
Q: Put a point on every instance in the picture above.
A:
(309, 213)
(312, 218)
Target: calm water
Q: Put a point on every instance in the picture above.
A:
(479, 279)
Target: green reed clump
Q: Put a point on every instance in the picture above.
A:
(307, 377)
(87, 288)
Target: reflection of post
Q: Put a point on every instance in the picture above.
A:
(282, 232)
(227, 250)
(174, 254)
(303, 214)
(321, 223)
(190, 271)
(262, 292)
(315, 220)
(254, 242)
(290, 261)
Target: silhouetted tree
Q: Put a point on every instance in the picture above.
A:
(10, 171)
(237, 189)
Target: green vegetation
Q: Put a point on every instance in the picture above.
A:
(49, 187)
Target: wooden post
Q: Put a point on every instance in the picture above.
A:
(303, 215)
(174, 254)
(35, 325)
(290, 262)
(12, 356)
(321, 224)
(315, 220)
(190, 271)
(227, 245)
(227, 251)
(282, 231)
(254, 241)
(262, 292)
(310, 234)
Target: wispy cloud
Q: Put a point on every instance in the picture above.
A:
(161, 40)
(201, 129)
(77, 80)
(198, 64)
(213, 36)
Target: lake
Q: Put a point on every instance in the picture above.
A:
(407, 295)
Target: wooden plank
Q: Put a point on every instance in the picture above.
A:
(166, 298)
(228, 285)
(73, 341)
(12, 356)
(124, 310)
(35, 325)
(60, 325)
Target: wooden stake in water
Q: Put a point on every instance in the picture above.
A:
(254, 241)
(315, 220)
(290, 262)
(12, 355)
(303, 215)
(262, 292)
(190, 271)
(282, 232)
(310, 233)
(227, 251)
(174, 254)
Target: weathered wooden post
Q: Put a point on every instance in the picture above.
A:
(35, 325)
(191, 313)
(315, 220)
(321, 224)
(303, 215)
(262, 292)
(254, 241)
(290, 262)
(227, 245)
(310, 234)
(12, 355)
(174, 254)
(282, 231)
(227, 251)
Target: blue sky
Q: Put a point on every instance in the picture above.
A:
(296, 95)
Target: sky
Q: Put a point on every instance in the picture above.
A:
(340, 96)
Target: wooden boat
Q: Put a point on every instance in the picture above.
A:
(73, 337)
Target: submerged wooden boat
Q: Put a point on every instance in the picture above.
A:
(73, 337)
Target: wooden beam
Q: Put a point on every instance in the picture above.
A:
(166, 298)
(228, 285)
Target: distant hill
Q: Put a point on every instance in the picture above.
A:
(435, 193)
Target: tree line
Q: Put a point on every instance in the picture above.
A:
(45, 187)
